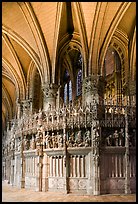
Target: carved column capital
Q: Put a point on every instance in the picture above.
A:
(93, 83)
(93, 89)
(50, 90)
(50, 94)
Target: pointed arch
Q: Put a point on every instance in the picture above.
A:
(14, 54)
(113, 26)
(133, 57)
(56, 35)
(6, 99)
(33, 76)
(95, 34)
(33, 23)
(83, 37)
(16, 79)
(24, 45)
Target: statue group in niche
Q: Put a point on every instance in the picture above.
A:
(53, 141)
(116, 139)
(56, 141)
(80, 141)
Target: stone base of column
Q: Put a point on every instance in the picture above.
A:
(90, 187)
(96, 192)
(127, 188)
(37, 185)
(66, 189)
(22, 183)
(127, 191)
(44, 184)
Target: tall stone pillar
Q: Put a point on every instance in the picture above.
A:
(19, 109)
(92, 96)
(127, 155)
(50, 94)
(39, 152)
(22, 176)
(132, 92)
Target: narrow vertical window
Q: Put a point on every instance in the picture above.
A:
(70, 91)
(79, 83)
(65, 93)
(67, 87)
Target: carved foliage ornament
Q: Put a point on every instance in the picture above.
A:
(92, 84)
(50, 90)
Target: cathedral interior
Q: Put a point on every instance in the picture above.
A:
(69, 96)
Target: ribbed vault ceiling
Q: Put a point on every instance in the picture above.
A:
(34, 31)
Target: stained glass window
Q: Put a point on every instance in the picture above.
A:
(70, 91)
(65, 93)
(79, 82)
(67, 87)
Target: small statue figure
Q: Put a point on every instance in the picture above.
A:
(60, 140)
(79, 139)
(87, 138)
(54, 141)
(116, 137)
(19, 145)
(12, 144)
(121, 137)
(96, 137)
(39, 138)
(26, 144)
(109, 140)
(32, 144)
(48, 140)
(69, 142)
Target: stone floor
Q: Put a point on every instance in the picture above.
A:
(13, 194)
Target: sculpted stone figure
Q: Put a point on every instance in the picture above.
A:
(109, 140)
(60, 140)
(87, 138)
(70, 142)
(116, 137)
(54, 141)
(26, 144)
(121, 137)
(12, 144)
(96, 138)
(39, 137)
(48, 140)
(19, 144)
(32, 144)
(79, 139)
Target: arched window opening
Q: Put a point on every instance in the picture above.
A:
(113, 76)
(37, 92)
(70, 91)
(79, 75)
(67, 88)
(65, 93)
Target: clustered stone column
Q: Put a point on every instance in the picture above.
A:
(22, 181)
(127, 162)
(93, 93)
